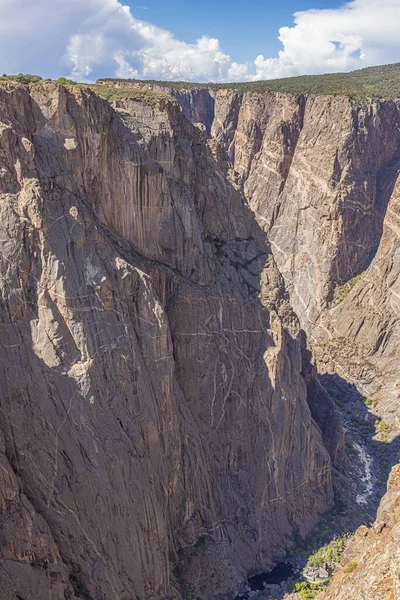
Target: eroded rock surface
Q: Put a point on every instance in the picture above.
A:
(360, 337)
(318, 172)
(155, 434)
(322, 176)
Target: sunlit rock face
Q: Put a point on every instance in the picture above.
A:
(370, 566)
(155, 433)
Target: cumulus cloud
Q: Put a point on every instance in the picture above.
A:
(359, 33)
(87, 39)
(35, 34)
(102, 38)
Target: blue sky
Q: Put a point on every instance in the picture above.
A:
(207, 40)
(244, 28)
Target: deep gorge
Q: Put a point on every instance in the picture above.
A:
(178, 352)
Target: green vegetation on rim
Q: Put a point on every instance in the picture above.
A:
(28, 78)
(112, 94)
(372, 82)
(65, 81)
(20, 78)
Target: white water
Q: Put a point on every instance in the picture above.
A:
(366, 479)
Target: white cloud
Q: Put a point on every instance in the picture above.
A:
(359, 33)
(87, 39)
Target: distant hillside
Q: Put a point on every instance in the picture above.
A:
(372, 82)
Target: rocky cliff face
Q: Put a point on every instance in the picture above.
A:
(322, 177)
(162, 429)
(370, 568)
(155, 435)
(318, 172)
(198, 104)
(359, 337)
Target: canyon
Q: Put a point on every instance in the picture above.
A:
(321, 175)
(188, 276)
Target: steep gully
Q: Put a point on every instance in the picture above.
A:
(322, 177)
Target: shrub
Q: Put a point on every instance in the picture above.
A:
(65, 81)
(308, 591)
(21, 78)
(346, 288)
(340, 543)
(349, 568)
(381, 428)
(316, 560)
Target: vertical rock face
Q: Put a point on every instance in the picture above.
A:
(155, 436)
(321, 175)
(197, 104)
(334, 199)
(318, 172)
(359, 337)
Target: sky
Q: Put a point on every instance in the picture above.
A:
(244, 29)
(196, 40)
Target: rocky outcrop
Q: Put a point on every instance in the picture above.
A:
(370, 566)
(156, 439)
(197, 104)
